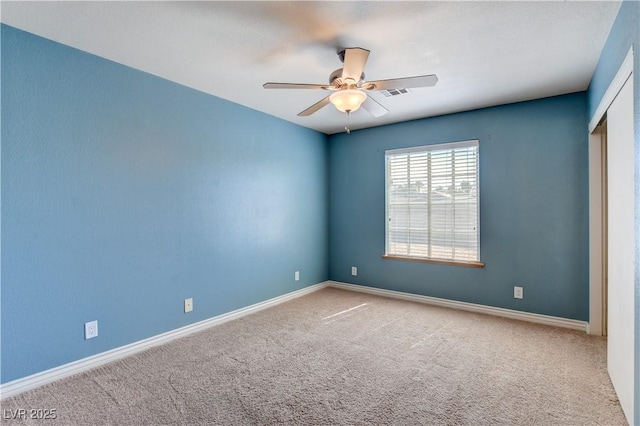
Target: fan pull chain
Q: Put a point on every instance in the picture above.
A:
(346, 125)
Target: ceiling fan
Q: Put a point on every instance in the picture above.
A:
(349, 86)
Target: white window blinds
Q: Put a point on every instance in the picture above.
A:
(432, 202)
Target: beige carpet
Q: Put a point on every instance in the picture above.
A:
(337, 357)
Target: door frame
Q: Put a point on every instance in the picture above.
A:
(597, 231)
(597, 201)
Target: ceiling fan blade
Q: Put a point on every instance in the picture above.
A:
(354, 61)
(294, 86)
(315, 107)
(402, 83)
(374, 107)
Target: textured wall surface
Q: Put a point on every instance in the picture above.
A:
(123, 194)
(533, 207)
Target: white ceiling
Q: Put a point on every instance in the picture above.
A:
(484, 53)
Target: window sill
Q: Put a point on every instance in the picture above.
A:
(436, 261)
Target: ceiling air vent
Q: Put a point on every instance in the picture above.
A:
(394, 92)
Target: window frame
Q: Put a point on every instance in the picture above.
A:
(446, 146)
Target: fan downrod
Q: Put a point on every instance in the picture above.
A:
(341, 55)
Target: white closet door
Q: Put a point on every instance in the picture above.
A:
(621, 246)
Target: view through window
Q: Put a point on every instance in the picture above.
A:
(432, 202)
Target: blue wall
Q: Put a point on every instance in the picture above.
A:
(624, 34)
(533, 207)
(123, 194)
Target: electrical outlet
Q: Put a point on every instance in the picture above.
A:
(90, 330)
(188, 305)
(518, 293)
(296, 276)
(354, 271)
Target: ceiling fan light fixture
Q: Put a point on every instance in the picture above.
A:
(348, 99)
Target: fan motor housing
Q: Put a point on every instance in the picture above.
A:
(335, 79)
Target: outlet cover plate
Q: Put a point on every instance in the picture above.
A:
(296, 276)
(188, 305)
(518, 293)
(354, 271)
(90, 329)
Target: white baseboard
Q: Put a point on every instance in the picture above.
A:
(24, 384)
(464, 306)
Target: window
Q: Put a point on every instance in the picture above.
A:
(432, 200)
